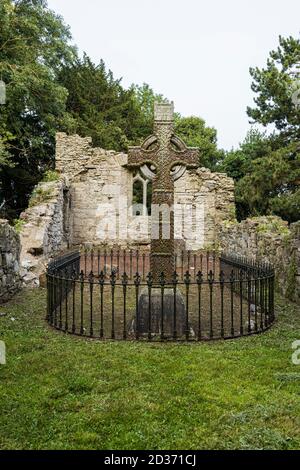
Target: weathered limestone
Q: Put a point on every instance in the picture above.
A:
(10, 281)
(91, 204)
(268, 239)
(77, 209)
(215, 193)
(101, 187)
(45, 229)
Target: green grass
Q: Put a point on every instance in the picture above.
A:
(61, 392)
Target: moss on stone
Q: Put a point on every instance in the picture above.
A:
(271, 224)
(50, 175)
(18, 225)
(40, 195)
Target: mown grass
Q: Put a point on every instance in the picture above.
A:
(61, 392)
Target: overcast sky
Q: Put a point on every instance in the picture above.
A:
(195, 52)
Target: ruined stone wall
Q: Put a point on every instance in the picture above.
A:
(10, 281)
(99, 182)
(268, 239)
(99, 191)
(44, 228)
(213, 195)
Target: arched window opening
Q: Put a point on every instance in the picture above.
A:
(141, 195)
(149, 197)
(137, 197)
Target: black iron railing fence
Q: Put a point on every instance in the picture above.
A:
(138, 261)
(110, 294)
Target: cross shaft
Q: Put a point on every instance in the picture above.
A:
(162, 151)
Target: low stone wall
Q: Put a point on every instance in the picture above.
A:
(268, 239)
(10, 281)
(44, 230)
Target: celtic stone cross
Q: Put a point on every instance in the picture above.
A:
(163, 158)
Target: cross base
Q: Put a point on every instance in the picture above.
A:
(162, 320)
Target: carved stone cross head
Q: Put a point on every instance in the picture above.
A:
(163, 157)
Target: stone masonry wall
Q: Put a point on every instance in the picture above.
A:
(10, 281)
(44, 229)
(214, 193)
(268, 239)
(100, 185)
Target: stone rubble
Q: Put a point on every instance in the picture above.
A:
(10, 279)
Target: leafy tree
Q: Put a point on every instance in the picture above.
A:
(274, 87)
(99, 105)
(34, 44)
(267, 178)
(145, 98)
(238, 163)
(193, 131)
(267, 169)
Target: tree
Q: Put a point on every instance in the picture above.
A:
(145, 98)
(274, 87)
(267, 168)
(34, 44)
(100, 107)
(238, 163)
(267, 179)
(193, 131)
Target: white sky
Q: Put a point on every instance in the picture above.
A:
(195, 52)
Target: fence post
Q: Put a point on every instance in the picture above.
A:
(73, 309)
(91, 283)
(199, 283)
(162, 281)
(101, 284)
(222, 280)
(232, 279)
(175, 282)
(187, 281)
(211, 282)
(113, 285)
(149, 284)
(249, 300)
(241, 302)
(124, 284)
(137, 281)
(66, 301)
(81, 278)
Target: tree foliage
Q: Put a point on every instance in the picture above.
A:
(267, 167)
(49, 88)
(145, 98)
(271, 184)
(274, 87)
(100, 107)
(34, 44)
(194, 132)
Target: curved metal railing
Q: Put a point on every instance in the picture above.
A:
(110, 294)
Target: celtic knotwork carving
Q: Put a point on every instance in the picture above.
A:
(169, 156)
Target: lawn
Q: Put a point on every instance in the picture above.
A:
(62, 392)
